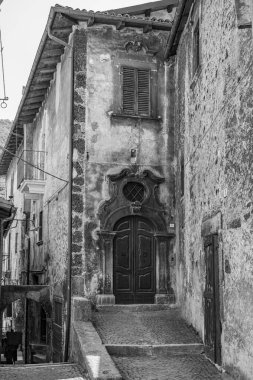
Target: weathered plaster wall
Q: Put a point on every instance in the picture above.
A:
(48, 133)
(103, 143)
(52, 130)
(214, 142)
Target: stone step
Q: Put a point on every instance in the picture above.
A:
(135, 307)
(172, 367)
(152, 350)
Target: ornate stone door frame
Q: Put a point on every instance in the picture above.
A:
(149, 207)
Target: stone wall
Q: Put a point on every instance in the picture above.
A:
(213, 133)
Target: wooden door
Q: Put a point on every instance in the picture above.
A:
(134, 261)
(212, 300)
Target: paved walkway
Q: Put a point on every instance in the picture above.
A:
(128, 325)
(132, 325)
(42, 372)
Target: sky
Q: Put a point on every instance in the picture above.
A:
(22, 24)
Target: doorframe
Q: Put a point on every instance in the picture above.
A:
(151, 234)
(211, 232)
(152, 209)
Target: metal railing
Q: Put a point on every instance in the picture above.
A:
(25, 171)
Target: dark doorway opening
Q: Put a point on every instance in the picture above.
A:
(212, 299)
(134, 261)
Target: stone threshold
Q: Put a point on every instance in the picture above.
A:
(154, 349)
(137, 307)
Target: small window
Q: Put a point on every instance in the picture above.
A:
(58, 313)
(9, 311)
(9, 253)
(182, 176)
(136, 91)
(12, 185)
(41, 226)
(16, 242)
(196, 48)
(134, 191)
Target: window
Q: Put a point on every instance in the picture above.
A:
(9, 311)
(9, 253)
(41, 226)
(16, 242)
(182, 176)
(12, 185)
(58, 313)
(196, 48)
(134, 191)
(136, 91)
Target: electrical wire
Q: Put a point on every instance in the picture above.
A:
(34, 166)
(3, 104)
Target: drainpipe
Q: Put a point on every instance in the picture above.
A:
(1, 266)
(69, 279)
(175, 27)
(27, 301)
(69, 258)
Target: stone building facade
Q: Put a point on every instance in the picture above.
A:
(213, 145)
(93, 176)
(138, 127)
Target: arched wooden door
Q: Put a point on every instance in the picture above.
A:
(134, 261)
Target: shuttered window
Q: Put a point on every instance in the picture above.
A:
(136, 91)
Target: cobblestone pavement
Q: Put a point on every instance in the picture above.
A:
(42, 372)
(125, 326)
(177, 367)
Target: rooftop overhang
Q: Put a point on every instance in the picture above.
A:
(180, 20)
(60, 25)
(6, 208)
(147, 8)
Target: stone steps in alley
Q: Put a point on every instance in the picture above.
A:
(153, 342)
(46, 371)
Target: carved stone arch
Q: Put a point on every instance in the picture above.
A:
(147, 206)
(119, 206)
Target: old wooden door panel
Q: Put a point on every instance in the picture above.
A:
(123, 260)
(134, 266)
(211, 295)
(144, 263)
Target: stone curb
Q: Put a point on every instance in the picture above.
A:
(137, 307)
(152, 350)
(91, 354)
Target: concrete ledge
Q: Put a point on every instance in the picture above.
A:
(81, 309)
(89, 352)
(150, 350)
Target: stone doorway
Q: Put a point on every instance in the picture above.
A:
(133, 222)
(134, 261)
(212, 299)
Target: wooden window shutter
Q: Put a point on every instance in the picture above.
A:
(136, 91)
(129, 90)
(143, 92)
